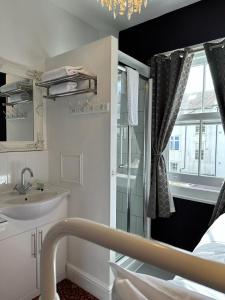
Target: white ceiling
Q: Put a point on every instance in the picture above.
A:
(91, 12)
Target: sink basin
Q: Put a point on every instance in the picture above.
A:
(33, 205)
(35, 198)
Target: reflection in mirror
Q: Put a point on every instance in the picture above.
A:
(16, 108)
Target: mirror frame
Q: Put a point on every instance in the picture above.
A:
(38, 143)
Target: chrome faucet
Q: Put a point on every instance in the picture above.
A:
(23, 187)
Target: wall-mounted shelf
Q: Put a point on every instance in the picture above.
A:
(16, 102)
(25, 89)
(92, 85)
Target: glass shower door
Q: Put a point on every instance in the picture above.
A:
(122, 156)
(137, 134)
(130, 161)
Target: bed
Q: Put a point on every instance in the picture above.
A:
(200, 275)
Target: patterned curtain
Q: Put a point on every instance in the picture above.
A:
(216, 58)
(170, 75)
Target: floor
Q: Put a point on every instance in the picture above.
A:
(70, 291)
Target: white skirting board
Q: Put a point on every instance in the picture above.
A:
(88, 282)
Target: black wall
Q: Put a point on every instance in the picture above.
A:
(184, 228)
(194, 24)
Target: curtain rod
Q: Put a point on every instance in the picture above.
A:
(193, 50)
(196, 49)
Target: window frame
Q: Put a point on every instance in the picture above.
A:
(200, 119)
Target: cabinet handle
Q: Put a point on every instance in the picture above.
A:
(34, 245)
(40, 240)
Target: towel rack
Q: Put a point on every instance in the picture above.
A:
(15, 102)
(92, 85)
(22, 88)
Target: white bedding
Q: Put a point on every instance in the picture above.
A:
(134, 286)
(129, 285)
(212, 251)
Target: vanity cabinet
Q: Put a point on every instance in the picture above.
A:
(60, 255)
(20, 249)
(18, 265)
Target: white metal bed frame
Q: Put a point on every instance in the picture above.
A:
(183, 263)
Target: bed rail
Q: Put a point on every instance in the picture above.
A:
(169, 258)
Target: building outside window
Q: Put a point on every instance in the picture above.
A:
(199, 130)
(174, 143)
(173, 166)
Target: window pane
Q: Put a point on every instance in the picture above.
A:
(195, 148)
(208, 153)
(192, 99)
(192, 141)
(220, 153)
(210, 102)
(182, 160)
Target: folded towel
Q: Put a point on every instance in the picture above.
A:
(132, 96)
(19, 97)
(64, 87)
(63, 71)
(15, 85)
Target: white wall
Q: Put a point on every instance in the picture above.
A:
(32, 30)
(12, 163)
(91, 135)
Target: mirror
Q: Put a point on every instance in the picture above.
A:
(16, 108)
(21, 108)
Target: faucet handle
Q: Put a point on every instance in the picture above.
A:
(28, 187)
(15, 188)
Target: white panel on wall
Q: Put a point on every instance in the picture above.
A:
(71, 168)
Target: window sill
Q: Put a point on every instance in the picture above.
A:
(194, 192)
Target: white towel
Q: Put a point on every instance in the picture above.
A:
(132, 96)
(20, 97)
(15, 85)
(64, 87)
(63, 71)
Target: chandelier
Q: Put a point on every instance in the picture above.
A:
(124, 6)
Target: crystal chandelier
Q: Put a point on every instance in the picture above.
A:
(124, 6)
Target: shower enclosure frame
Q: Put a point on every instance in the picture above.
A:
(125, 60)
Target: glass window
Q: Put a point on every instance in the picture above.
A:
(209, 100)
(174, 166)
(198, 133)
(174, 143)
(192, 100)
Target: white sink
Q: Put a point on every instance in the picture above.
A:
(33, 205)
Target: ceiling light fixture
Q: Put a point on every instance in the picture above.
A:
(120, 7)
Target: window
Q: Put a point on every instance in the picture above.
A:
(174, 143)
(173, 166)
(197, 154)
(198, 131)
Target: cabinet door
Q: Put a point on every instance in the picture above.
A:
(60, 255)
(18, 266)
